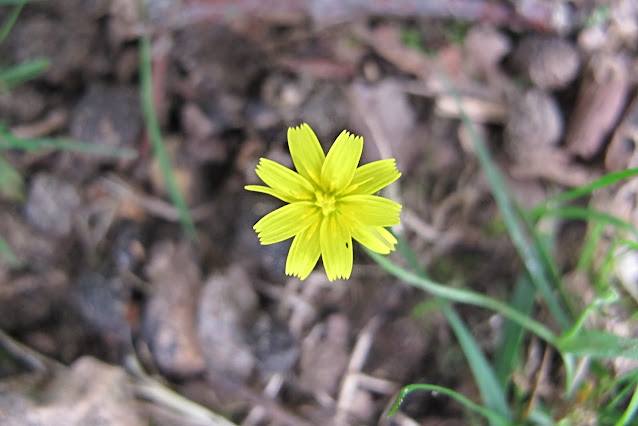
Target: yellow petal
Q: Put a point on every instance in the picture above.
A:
(304, 252)
(341, 162)
(286, 222)
(370, 210)
(336, 248)
(306, 152)
(284, 181)
(270, 191)
(376, 238)
(372, 177)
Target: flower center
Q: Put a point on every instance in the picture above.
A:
(326, 202)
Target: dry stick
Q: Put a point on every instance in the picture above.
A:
(53, 121)
(257, 414)
(358, 358)
(151, 390)
(541, 376)
(157, 207)
(30, 358)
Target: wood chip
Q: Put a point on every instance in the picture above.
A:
(600, 100)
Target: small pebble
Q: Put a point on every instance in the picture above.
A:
(551, 63)
(168, 323)
(51, 205)
(227, 304)
(274, 346)
(108, 115)
(534, 121)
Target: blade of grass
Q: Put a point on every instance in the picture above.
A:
(528, 253)
(11, 182)
(8, 255)
(586, 260)
(607, 180)
(10, 21)
(155, 136)
(10, 141)
(408, 254)
(463, 296)
(510, 345)
(493, 417)
(598, 344)
(25, 71)
(591, 215)
(630, 412)
(632, 381)
(492, 392)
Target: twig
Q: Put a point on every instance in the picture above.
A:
(32, 359)
(358, 358)
(157, 207)
(149, 389)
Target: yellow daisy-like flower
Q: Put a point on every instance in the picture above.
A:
(330, 203)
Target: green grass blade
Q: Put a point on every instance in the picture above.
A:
(10, 21)
(588, 252)
(408, 255)
(527, 251)
(607, 180)
(463, 296)
(156, 139)
(543, 243)
(598, 344)
(10, 141)
(493, 417)
(591, 215)
(509, 348)
(630, 412)
(11, 182)
(23, 72)
(8, 255)
(632, 381)
(492, 393)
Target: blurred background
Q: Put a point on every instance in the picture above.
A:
(133, 289)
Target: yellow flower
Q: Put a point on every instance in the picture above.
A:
(330, 203)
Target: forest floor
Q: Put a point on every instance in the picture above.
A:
(115, 311)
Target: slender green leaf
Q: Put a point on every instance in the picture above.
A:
(155, 135)
(631, 380)
(8, 255)
(588, 252)
(543, 242)
(591, 215)
(509, 348)
(598, 344)
(492, 393)
(526, 250)
(493, 417)
(23, 72)
(463, 296)
(11, 182)
(630, 412)
(10, 141)
(10, 21)
(408, 254)
(607, 180)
